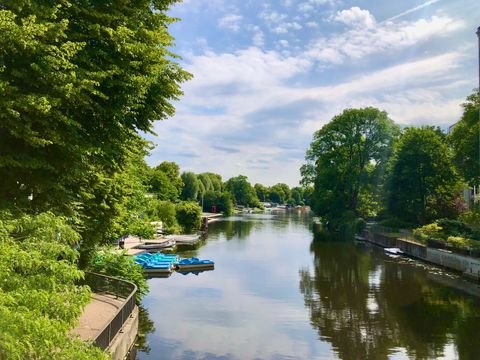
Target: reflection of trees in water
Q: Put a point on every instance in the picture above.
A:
(241, 226)
(234, 228)
(145, 326)
(366, 307)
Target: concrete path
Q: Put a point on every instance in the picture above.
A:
(96, 315)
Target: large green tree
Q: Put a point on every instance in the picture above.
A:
(165, 181)
(78, 81)
(279, 193)
(261, 191)
(190, 186)
(465, 140)
(423, 184)
(346, 158)
(242, 191)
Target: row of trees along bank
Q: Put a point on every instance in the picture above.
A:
(78, 81)
(362, 165)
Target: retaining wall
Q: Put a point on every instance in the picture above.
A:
(467, 265)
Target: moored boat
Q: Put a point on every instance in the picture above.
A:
(194, 264)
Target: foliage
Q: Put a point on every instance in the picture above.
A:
(223, 201)
(120, 265)
(297, 195)
(165, 181)
(347, 158)
(214, 179)
(78, 81)
(165, 212)
(40, 301)
(458, 242)
(279, 193)
(141, 228)
(189, 216)
(396, 223)
(261, 191)
(471, 219)
(242, 191)
(423, 184)
(190, 187)
(426, 232)
(465, 140)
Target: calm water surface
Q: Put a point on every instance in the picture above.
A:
(277, 294)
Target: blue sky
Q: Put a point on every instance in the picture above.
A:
(267, 74)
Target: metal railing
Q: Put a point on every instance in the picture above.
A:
(103, 284)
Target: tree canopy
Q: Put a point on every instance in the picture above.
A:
(423, 184)
(465, 141)
(346, 158)
(242, 191)
(78, 80)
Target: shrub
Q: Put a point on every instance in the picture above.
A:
(165, 212)
(119, 265)
(141, 228)
(471, 219)
(458, 242)
(189, 216)
(40, 300)
(453, 227)
(396, 223)
(430, 231)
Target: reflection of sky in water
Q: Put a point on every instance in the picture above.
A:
(251, 306)
(248, 307)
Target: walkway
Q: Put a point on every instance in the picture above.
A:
(96, 315)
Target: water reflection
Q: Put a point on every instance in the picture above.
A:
(145, 326)
(369, 307)
(346, 301)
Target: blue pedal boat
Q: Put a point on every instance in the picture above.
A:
(193, 264)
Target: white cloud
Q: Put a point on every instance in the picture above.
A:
(285, 27)
(311, 5)
(231, 22)
(251, 90)
(380, 38)
(277, 22)
(355, 17)
(258, 38)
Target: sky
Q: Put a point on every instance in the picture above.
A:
(268, 74)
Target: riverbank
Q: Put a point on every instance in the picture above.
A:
(466, 265)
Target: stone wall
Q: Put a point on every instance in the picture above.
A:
(468, 266)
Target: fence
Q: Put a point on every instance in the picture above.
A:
(102, 284)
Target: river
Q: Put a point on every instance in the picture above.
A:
(277, 294)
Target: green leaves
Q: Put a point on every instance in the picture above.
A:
(423, 184)
(346, 160)
(39, 298)
(465, 140)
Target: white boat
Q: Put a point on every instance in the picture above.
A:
(393, 251)
(159, 245)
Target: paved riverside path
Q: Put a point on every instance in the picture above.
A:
(96, 315)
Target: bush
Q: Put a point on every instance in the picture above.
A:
(471, 219)
(119, 265)
(458, 242)
(453, 227)
(430, 231)
(142, 229)
(40, 300)
(189, 216)
(396, 223)
(223, 201)
(165, 212)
